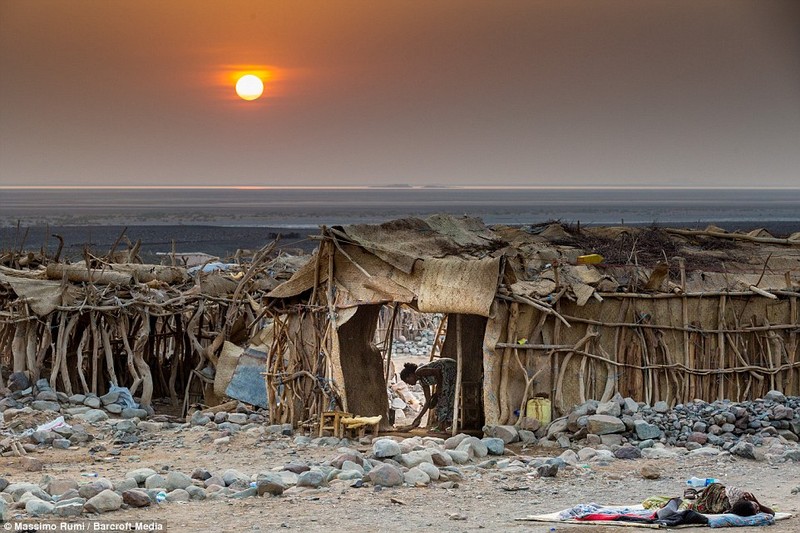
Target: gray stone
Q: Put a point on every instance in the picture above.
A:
(415, 476)
(214, 480)
(114, 408)
(630, 406)
(18, 489)
(605, 424)
(744, 449)
(440, 458)
(474, 447)
(155, 481)
(140, 474)
(385, 475)
(125, 484)
(61, 444)
(200, 419)
(92, 402)
(311, 478)
(453, 442)
(77, 399)
(508, 434)
(432, 471)
(628, 452)
(136, 498)
(547, 470)
(195, 492)
(37, 507)
(178, 495)
(646, 431)
(414, 458)
(57, 487)
(70, 508)
(106, 501)
(611, 439)
(527, 437)
(130, 412)
(18, 381)
(351, 466)
(177, 480)
(93, 416)
(43, 405)
(495, 446)
(237, 418)
(270, 483)
(385, 448)
(230, 476)
(661, 407)
(775, 396)
(111, 397)
(43, 437)
(90, 490)
(611, 408)
(458, 456)
(559, 425)
(47, 396)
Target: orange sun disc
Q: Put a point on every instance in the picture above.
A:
(249, 87)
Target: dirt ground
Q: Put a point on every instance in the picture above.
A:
(485, 500)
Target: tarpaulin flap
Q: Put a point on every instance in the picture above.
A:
(42, 296)
(247, 384)
(402, 242)
(455, 285)
(303, 279)
(364, 278)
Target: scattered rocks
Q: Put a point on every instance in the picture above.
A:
(104, 502)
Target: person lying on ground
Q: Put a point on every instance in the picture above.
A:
(441, 374)
(715, 499)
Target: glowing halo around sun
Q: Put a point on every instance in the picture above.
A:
(249, 87)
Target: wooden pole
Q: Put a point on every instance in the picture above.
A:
(459, 370)
(721, 345)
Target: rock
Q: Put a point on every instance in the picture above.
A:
(775, 396)
(495, 445)
(557, 426)
(661, 407)
(92, 402)
(458, 456)
(547, 470)
(237, 418)
(311, 478)
(200, 473)
(31, 464)
(382, 448)
(18, 381)
(90, 490)
(646, 431)
(630, 406)
(570, 457)
(414, 458)
(214, 480)
(43, 437)
(47, 396)
(584, 454)
(431, 470)
(610, 408)
(37, 507)
(385, 475)
(155, 481)
(195, 492)
(106, 501)
(628, 452)
(114, 408)
(658, 453)
(130, 412)
(415, 476)
(508, 434)
(136, 498)
(61, 444)
(297, 468)
(440, 458)
(140, 474)
(453, 442)
(351, 466)
(604, 425)
(180, 495)
(231, 476)
(18, 489)
(650, 472)
(42, 405)
(744, 449)
(474, 447)
(57, 487)
(270, 483)
(527, 437)
(125, 484)
(150, 426)
(93, 416)
(177, 480)
(69, 508)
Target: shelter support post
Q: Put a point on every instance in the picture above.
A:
(459, 372)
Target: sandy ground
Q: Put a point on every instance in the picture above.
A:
(486, 500)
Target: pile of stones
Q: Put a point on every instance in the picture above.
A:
(41, 397)
(420, 344)
(772, 423)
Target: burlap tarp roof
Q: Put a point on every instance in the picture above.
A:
(451, 264)
(43, 296)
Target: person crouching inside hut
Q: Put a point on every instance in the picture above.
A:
(441, 374)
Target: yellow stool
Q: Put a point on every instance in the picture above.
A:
(331, 420)
(360, 424)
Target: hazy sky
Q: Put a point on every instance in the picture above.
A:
(639, 92)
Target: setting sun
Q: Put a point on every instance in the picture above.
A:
(249, 87)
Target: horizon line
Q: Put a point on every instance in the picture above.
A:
(395, 187)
